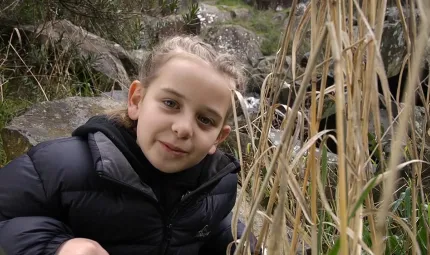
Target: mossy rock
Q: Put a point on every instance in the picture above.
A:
(50, 120)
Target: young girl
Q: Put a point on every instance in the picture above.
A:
(145, 180)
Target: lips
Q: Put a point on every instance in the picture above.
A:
(173, 148)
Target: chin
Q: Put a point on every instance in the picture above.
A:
(169, 171)
(165, 168)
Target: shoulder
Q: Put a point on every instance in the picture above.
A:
(226, 165)
(63, 163)
(62, 151)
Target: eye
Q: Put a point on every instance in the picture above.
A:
(206, 121)
(170, 103)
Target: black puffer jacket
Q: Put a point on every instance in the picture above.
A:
(84, 186)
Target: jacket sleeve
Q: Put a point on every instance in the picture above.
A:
(32, 235)
(222, 237)
(28, 219)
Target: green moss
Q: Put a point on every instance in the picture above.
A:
(234, 3)
(9, 108)
(261, 23)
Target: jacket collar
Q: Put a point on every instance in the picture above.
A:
(112, 164)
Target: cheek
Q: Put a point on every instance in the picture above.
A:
(208, 140)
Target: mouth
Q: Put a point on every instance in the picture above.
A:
(173, 149)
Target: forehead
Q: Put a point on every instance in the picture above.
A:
(198, 82)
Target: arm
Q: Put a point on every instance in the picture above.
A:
(222, 237)
(32, 235)
(28, 222)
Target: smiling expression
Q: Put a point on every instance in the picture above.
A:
(181, 113)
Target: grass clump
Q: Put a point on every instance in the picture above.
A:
(369, 213)
(264, 26)
(118, 21)
(232, 3)
(31, 72)
(262, 22)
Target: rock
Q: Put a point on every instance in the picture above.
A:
(420, 118)
(427, 55)
(235, 40)
(392, 15)
(393, 46)
(300, 9)
(139, 56)
(210, 15)
(49, 120)
(279, 17)
(111, 59)
(391, 3)
(264, 67)
(156, 29)
(120, 96)
(184, 5)
(393, 49)
(241, 13)
(170, 26)
(287, 95)
(230, 144)
(148, 34)
(252, 106)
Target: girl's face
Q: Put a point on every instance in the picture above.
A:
(181, 113)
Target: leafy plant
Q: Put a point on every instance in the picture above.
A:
(191, 19)
(169, 7)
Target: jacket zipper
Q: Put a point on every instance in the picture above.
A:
(168, 229)
(186, 200)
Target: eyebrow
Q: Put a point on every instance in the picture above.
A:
(174, 92)
(208, 109)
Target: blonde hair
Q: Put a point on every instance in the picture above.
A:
(180, 45)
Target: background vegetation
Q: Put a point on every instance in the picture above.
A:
(31, 72)
(363, 216)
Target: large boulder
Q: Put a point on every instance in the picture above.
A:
(420, 120)
(427, 55)
(236, 40)
(148, 34)
(263, 68)
(49, 120)
(110, 58)
(230, 144)
(241, 13)
(210, 15)
(170, 26)
(393, 45)
(157, 29)
(140, 56)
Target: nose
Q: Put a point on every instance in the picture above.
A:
(183, 128)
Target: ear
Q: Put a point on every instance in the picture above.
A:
(135, 96)
(223, 134)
